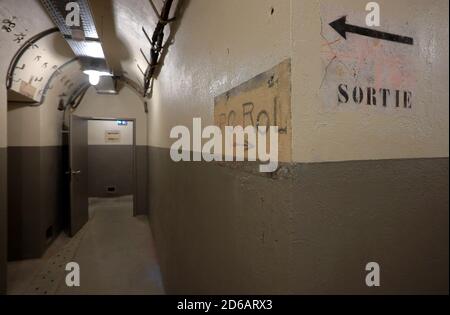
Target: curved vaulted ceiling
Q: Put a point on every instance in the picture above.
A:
(49, 62)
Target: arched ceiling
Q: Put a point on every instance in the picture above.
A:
(47, 59)
(119, 24)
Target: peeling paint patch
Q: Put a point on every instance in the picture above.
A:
(264, 100)
(27, 89)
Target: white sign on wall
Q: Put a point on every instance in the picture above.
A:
(112, 136)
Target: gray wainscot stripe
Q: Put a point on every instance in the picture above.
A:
(142, 178)
(35, 199)
(3, 219)
(311, 227)
(111, 173)
(110, 170)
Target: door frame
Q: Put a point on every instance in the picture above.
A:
(134, 164)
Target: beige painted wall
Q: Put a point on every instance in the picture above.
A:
(327, 131)
(3, 118)
(8, 9)
(23, 126)
(211, 55)
(35, 126)
(207, 61)
(41, 125)
(127, 104)
(226, 44)
(24, 122)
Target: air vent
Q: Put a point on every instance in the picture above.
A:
(111, 189)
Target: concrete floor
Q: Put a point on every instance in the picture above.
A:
(115, 252)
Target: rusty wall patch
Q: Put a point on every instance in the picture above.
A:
(264, 100)
(27, 89)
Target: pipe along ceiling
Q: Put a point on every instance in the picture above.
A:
(100, 43)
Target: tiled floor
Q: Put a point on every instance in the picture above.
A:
(115, 252)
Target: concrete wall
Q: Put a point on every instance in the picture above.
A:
(35, 177)
(3, 180)
(9, 46)
(366, 183)
(36, 193)
(35, 204)
(310, 231)
(36, 173)
(3, 218)
(365, 175)
(232, 54)
(110, 166)
(35, 164)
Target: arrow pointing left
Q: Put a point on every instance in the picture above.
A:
(341, 26)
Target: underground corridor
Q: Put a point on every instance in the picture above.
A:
(226, 147)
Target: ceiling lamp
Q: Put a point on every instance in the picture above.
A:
(94, 76)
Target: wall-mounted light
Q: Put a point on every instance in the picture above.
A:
(94, 75)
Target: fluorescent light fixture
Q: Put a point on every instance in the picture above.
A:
(94, 75)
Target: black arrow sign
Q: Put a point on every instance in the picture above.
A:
(341, 26)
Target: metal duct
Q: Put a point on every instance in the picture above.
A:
(84, 39)
(57, 11)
